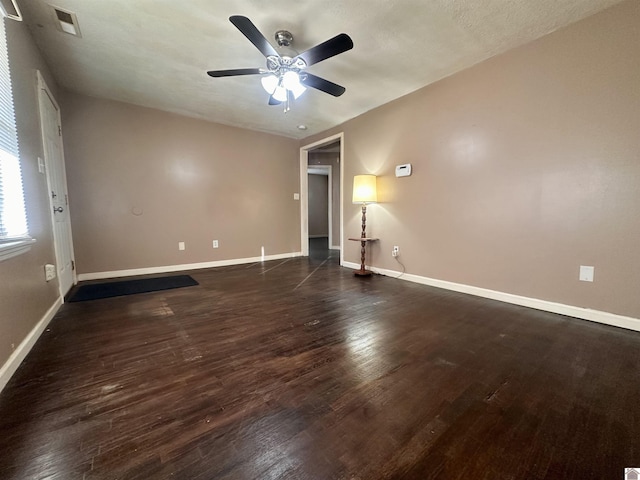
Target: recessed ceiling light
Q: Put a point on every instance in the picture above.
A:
(302, 127)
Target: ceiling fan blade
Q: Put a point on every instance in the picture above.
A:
(323, 85)
(250, 31)
(237, 71)
(338, 44)
(273, 101)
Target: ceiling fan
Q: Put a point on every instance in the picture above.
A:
(285, 76)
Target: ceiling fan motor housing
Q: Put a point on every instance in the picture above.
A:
(284, 38)
(287, 60)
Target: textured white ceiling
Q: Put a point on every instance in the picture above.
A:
(156, 53)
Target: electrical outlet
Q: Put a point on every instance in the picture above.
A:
(181, 246)
(396, 251)
(215, 244)
(586, 273)
(296, 196)
(49, 272)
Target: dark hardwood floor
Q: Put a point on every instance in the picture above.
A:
(296, 369)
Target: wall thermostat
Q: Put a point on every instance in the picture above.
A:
(403, 170)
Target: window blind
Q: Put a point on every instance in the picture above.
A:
(13, 220)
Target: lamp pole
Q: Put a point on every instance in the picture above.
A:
(363, 242)
(364, 191)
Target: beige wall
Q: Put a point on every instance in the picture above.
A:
(318, 205)
(526, 166)
(25, 297)
(333, 160)
(141, 180)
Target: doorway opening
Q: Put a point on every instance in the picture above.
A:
(321, 213)
(320, 193)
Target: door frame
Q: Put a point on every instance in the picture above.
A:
(304, 191)
(43, 89)
(327, 171)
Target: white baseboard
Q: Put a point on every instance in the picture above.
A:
(598, 316)
(19, 354)
(186, 266)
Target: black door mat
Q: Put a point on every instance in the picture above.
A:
(129, 287)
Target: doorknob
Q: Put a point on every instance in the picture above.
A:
(58, 209)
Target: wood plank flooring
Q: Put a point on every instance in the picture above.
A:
(296, 369)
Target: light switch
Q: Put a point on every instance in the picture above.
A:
(180, 245)
(296, 196)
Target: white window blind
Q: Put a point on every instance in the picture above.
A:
(13, 220)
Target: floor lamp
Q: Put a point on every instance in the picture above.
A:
(364, 192)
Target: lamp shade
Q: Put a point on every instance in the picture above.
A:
(269, 83)
(364, 189)
(280, 94)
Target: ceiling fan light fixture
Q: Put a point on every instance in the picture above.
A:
(291, 81)
(298, 90)
(269, 83)
(280, 94)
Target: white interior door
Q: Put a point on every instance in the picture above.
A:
(57, 183)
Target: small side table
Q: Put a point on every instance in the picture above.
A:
(363, 272)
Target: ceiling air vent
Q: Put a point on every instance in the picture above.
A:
(66, 21)
(9, 8)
